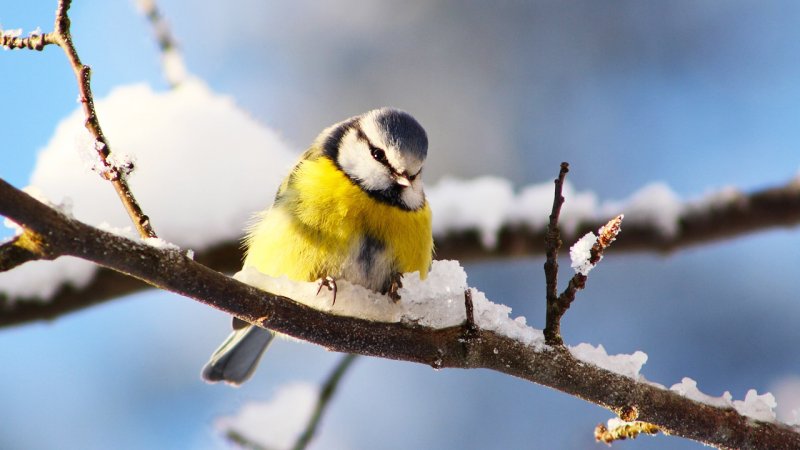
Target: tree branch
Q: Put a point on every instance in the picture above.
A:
(758, 211)
(741, 214)
(556, 368)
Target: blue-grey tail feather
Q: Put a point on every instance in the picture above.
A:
(236, 359)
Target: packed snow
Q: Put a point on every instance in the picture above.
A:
(581, 252)
(688, 388)
(759, 407)
(623, 364)
(436, 302)
(754, 406)
(787, 394)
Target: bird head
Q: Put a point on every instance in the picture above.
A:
(383, 151)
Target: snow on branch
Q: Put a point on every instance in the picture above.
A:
(499, 343)
(64, 286)
(656, 220)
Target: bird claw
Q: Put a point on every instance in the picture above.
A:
(330, 283)
(397, 283)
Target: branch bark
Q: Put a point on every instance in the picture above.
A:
(766, 209)
(758, 211)
(556, 368)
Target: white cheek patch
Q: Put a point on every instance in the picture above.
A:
(413, 196)
(356, 161)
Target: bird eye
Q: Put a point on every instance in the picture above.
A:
(379, 155)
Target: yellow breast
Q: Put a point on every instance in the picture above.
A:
(311, 232)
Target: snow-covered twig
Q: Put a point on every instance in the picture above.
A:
(172, 270)
(12, 40)
(114, 173)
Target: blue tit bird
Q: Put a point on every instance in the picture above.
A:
(353, 208)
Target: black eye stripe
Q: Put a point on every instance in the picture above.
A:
(380, 155)
(377, 153)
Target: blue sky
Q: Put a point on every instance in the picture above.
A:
(699, 96)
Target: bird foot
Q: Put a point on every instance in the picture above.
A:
(330, 283)
(397, 283)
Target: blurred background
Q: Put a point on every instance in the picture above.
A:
(700, 95)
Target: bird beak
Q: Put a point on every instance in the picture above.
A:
(402, 180)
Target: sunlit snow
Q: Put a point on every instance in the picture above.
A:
(276, 423)
(436, 302)
(759, 407)
(623, 364)
(580, 254)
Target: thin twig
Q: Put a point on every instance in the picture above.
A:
(34, 41)
(244, 442)
(552, 330)
(325, 395)
(62, 37)
(166, 41)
